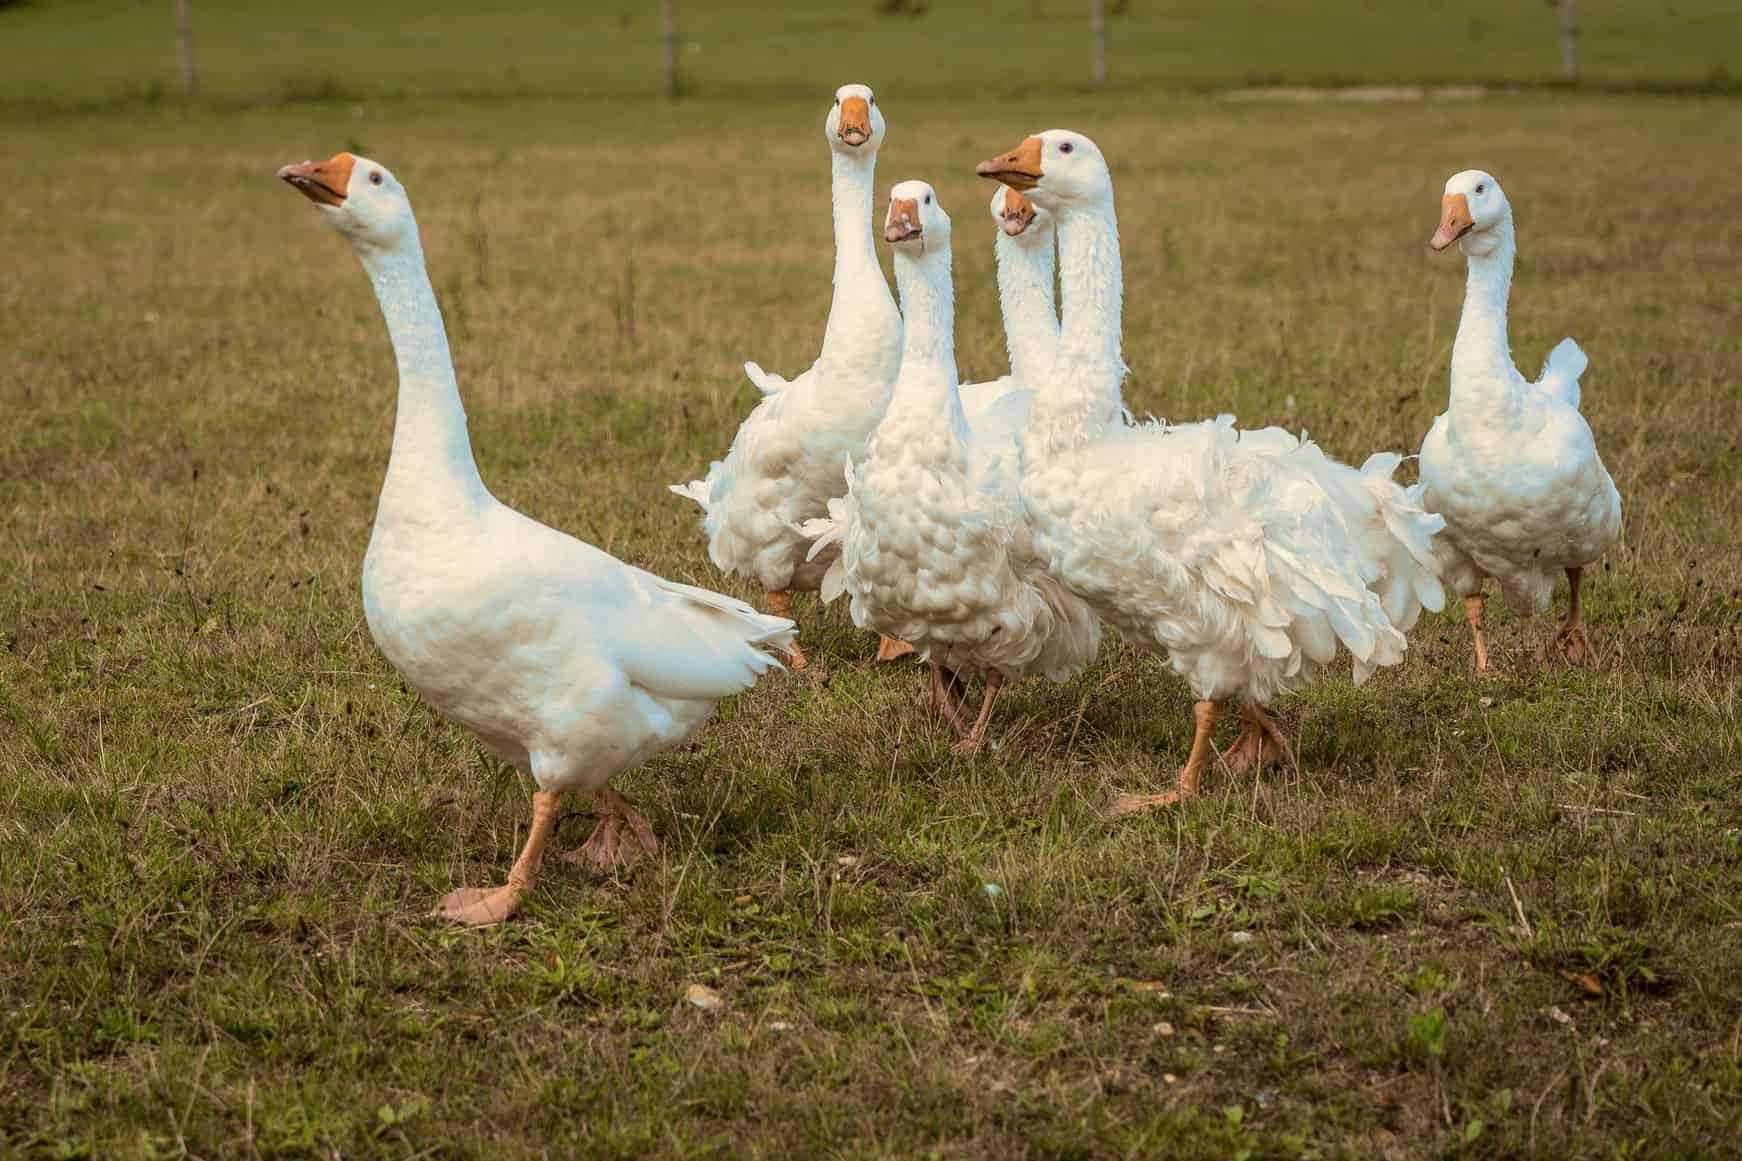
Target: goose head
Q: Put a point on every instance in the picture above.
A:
(916, 222)
(1018, 217)
(855, 123)
(361, 199)
(1054, 169)
(1473, 208)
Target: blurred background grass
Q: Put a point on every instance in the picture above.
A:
(68, 53)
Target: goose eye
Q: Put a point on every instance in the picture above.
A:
(375, 177)
(1065, 148)
(928, 199)
(837, 102)
(873, 100)
(1481, 189)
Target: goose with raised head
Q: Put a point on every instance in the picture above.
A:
(1023, 248)
(1512, 465)
(995, 409)
(565, 662)
(933, 550)
(1245, 558)
(784, 465)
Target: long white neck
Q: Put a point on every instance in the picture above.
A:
(1025, 297)
(925, 411)
(858, 280)
(1079, 398)
(1483, 374)
(431, 469)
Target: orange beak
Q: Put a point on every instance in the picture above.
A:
(1455, 221)
(903, 220)
(855, 125)
(1018, 213)
(322, 182)
(1019, 169)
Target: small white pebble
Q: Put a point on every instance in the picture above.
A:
(847, 861)
(1241, 937)
(994, 890)
(1163, 1029)
(1169, 1077)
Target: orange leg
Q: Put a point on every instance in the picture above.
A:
(1261, 742)
(947, 698)
(621, 837)
(1473, 606)
(1196, 763)
(977, 735)
(889, 648)
(484, 906)
(1569, 643)
(780, 605)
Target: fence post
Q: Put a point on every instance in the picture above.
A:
(1569, 40)
(184, 47)
(668, 45)
(1098, 41)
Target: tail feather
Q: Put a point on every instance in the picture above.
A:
(825, 532)
(766, 382)
(1560, 373)
(760, 630)
(698, 490)
(1409, 580)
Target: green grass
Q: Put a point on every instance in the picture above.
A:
(223, 821)
(69, 53)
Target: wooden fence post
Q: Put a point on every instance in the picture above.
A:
(1098, 42)
(1569, 40)
(668, 45)
(184, 47)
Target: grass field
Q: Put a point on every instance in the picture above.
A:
(223, 821)
(61, 54)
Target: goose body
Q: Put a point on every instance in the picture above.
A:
(564, 661)
(784, 465)
(1245, 558)
(1511, 465)
(934, 544)
(546, 647)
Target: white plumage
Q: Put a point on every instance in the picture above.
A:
(934, 545)
(1511, 465)
(1023, 246)
(1245, 557)
(784, 465)
(566, 662)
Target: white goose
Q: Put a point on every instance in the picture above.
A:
(566, 662)
(933, 545)
(1511, 465)
(1023, 247)
(785, 462)
(997, 409)
(1245, 557)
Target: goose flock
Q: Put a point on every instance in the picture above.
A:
(989, 528)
